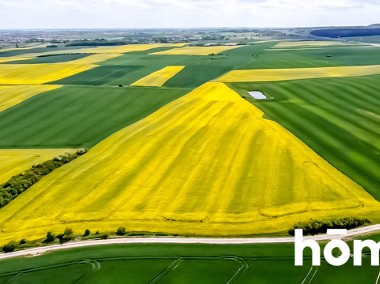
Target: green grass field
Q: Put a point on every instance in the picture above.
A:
(78, 116)
(337, 118)
(315, 57)
(174, 263)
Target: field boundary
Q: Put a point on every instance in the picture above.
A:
(184, 240)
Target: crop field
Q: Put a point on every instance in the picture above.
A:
(9, 52)
(124, 48)
(159, 78)
(293, 44)
(314, 57)
(56, 58)
(13, 95)
(271, 75)
(15, 161)
(180, 158)
(40, 73)
(15, 59)
(23, 74)
(195, 50)
(337, 118)
(131, 67)
(92, 110)
(173, 263)
(174, 150)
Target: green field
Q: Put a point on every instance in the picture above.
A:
(315, 57)
(337, 118)
(78, 116)
(175, 263)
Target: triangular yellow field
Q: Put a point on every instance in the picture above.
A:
(207, 163)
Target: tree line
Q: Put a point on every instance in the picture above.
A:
(321, 227)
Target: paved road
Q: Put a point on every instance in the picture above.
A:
(183, 240)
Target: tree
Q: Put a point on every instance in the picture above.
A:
(121, 231)
(11, 246)
(68, 234)
(50, 237)
(87, 232)
(104, 236)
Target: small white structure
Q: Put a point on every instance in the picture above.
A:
(257, 95)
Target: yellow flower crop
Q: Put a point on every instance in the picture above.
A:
(207, 164)
(268, 75)
(160, 77)
(15, 161)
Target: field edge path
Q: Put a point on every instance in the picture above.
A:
(184, 240)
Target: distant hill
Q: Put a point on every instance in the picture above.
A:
(372, 30)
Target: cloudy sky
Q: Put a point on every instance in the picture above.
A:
(185, 13)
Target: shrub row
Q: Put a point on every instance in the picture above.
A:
(64, 237)
(321, 227)
(21, 182)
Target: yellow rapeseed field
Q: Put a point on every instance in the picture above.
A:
(266, 75)
(312, 43)
(23, 74)
(15, 58)
(13, 95)
(160, 77)
(195, 50)
(207, 164)
(15, 161)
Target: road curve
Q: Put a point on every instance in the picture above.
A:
(183, 240)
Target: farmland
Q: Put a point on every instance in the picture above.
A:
(272, 75)
(206, 152)
(195, 50)
(160, 77)
(131, 67)
(276, 58)
(293, 44)
(13, 95)
(13, 162)
(176, 148)
(92, 111)
(347, 112)
(174, 263)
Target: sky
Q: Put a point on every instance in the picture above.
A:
(66, 14)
